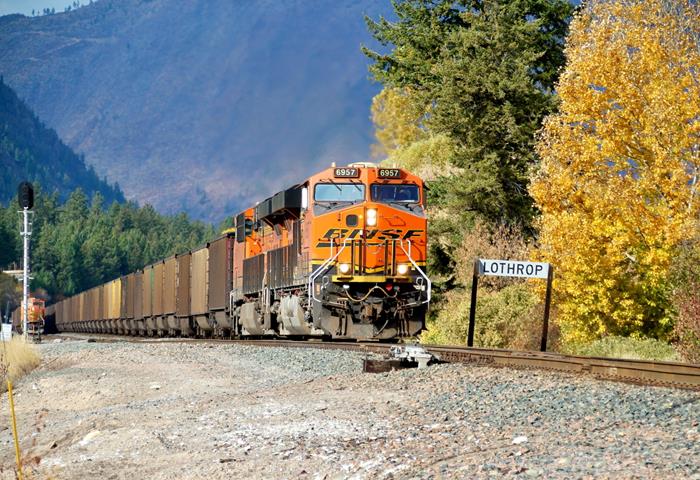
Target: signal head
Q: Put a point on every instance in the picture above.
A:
(25, 195)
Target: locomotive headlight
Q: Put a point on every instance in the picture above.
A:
(372, 217)
(402, 269)
(344, 268)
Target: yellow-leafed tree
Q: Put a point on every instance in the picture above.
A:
(618, 181)
(397, 118)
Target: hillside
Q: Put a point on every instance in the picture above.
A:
(31, 151)
(207, 105)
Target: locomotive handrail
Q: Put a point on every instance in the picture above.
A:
(429, 285)
(323, 267)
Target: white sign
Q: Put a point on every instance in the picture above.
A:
(6, 334)
(508, 268)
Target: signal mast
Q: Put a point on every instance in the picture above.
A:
(25, 195)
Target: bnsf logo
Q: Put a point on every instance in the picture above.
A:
(389, 234)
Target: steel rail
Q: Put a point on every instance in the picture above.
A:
(666, 374)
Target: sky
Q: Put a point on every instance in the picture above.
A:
(26, 6)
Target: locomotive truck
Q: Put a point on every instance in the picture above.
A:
(340, 255)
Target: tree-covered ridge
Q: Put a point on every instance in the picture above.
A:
(31, 151)
(154, 89)
(78, 244)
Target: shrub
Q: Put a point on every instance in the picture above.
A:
(628, 347)
(508, 313)
(500, 241)
(687, 328)
(17, 358)
(504, 319)
(686, 300)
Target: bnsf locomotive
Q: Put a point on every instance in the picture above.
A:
(341, 255)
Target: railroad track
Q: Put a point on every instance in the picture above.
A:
(666, 374)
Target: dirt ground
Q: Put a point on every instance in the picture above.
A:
(167, 411)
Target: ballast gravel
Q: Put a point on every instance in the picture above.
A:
(182, 410)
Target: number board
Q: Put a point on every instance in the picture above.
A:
(389, 173)
(346, 172)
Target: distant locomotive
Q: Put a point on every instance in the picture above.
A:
(340, 255)
(36, 312)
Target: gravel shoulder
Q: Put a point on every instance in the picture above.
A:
(167, 410)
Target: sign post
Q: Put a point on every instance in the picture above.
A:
(547, 302)
(472, 309)
(509, 268)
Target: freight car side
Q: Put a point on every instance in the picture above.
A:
(219, 281)
(182, 296)
(169, 322)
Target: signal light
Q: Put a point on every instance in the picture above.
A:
(25, 195)
(389, 287)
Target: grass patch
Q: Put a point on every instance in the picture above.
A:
(17, 358)
(630, 348)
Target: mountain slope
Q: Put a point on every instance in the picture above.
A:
(206, 105)
(31, 151)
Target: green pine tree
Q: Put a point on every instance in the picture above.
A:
(485, 72)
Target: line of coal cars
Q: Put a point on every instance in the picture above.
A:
(185, 294)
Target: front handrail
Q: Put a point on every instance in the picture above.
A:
(428, 287)
(332, 257)
(324, 266)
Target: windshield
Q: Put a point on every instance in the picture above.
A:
(339, 192)
(388, 193)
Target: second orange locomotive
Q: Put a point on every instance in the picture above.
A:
(339, 255)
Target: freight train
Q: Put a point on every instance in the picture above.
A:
(340, 255)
